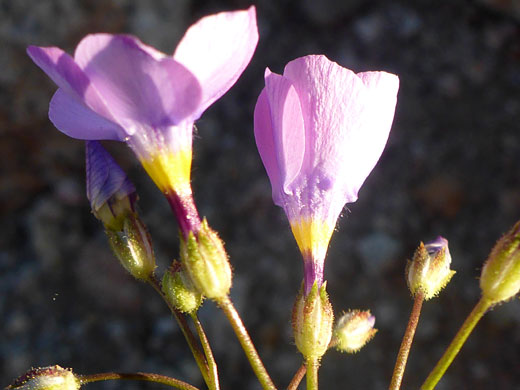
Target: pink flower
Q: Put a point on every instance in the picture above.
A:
(118, 88)
(320, 129)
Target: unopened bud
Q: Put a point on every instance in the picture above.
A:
(179, 289)
(111, 194)
(206, 262)
(500, 278)
(133, 247)
(429, 271)
(46, 378)
(353, 330)
(312, 320)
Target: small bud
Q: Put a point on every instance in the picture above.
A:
(46, 378)
(500, 278)
(312, 320)
(206, 262)
(353, 330)
(133, 247)
(429, 271)
(179, 289)
(111, 194)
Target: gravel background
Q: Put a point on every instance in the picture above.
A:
(451, 167)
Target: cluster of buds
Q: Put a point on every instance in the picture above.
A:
(46, 378)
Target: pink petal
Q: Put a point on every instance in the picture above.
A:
(76, 120)
(265, 143)
(334, 105)
(287, 120)
(216, 50)
(62, 69)
(137, 83)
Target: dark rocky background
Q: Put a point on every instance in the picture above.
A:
(451, 167)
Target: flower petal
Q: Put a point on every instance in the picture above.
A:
(216, 50)
(62, 69)
(287, 120)
(137, 84)
(337, 110)
(76, 120)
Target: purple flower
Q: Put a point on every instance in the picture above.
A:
(111, 194)
(320, 129)
(117, 88)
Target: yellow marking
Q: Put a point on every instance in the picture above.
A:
(170, 171)
(312, 236)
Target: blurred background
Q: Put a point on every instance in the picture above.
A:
(450, 168)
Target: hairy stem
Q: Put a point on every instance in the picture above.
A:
(406, 344)
(456, 344)
(212, 365)
(297, 378)
(186, 331)
(139, 376)
(247, 344)
(312, 365)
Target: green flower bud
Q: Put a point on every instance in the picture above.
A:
(312, 320)
(353, 330)
(206, 262)
(133, 247)
(46, 378)
(429, 271)
(179, 289)
(500, 277)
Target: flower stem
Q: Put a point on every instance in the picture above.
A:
(139, 376)
(406, 344)
(456, 344)
(212, 365)
(297, 378)
(247, 345)
(312, 365)
(186, 331)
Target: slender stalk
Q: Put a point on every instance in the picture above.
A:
(456, 344)
(297, 378)
(186, 331)
(312, 373)
(139, 376)
(247, 345)
(406, 344)
(212, 365)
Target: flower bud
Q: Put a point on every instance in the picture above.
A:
(429, 271)
(179, 289)
(206, 262)
(133, 247)
(500, 277)
(353, 330)
(312, 320)
(46, 378)
(111, 194)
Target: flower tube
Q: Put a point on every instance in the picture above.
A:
(320, 129)
(117, 88)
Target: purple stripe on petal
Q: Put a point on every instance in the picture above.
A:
(105, 178)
